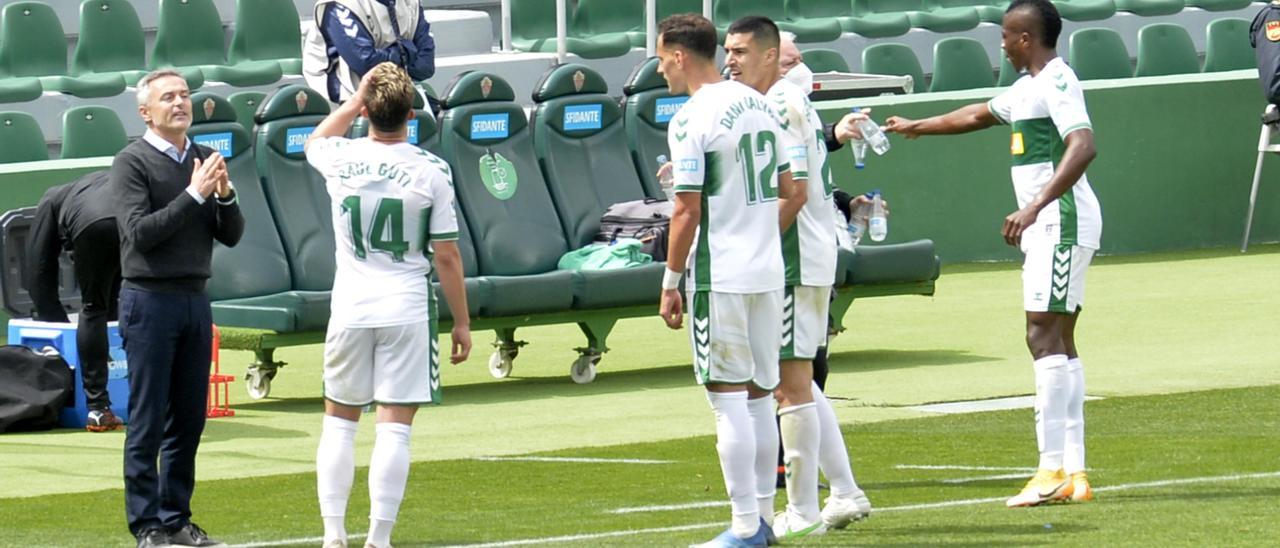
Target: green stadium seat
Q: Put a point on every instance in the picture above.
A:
(1165, 48)
(18, 90)
(21, 139)
(579, 142)
(533, 29)
(1219, 5)
(111, 40)
(34, 45)
(1096, 54)
(825, 60)
(920, 14)
(647, 111)
(295, 190)
(1227, 46)
(960, 63)
(189, 34)
(1150, 8)
(824, 11)
(895, 60)
(1008, 74)
(989, 11)
(92, 131)
(1085, 10)
(503, 197)
(867, 21)
(610, 18)
(806, 30)
(246, 103)
(267, 30)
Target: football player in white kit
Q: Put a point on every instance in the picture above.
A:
(1058, 227)
(393, 217)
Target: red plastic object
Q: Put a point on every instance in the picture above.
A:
(219, 402)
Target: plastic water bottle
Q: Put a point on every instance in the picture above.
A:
(872, 135)
(667, 181)
(859, 154)
(859, 219)
(878, 227)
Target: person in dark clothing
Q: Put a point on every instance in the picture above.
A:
(173, 199)
(353, 36)
(78, 217)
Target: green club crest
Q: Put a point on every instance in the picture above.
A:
(499, 175)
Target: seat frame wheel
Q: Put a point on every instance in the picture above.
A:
(583, 369)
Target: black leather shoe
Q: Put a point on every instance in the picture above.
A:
(154, 538)
(192, 535)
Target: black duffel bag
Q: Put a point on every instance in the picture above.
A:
(34, 388)
(647, 220)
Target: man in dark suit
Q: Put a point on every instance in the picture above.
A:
(173, 200)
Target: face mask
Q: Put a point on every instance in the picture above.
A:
(800, 75)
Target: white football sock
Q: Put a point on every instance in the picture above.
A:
(764, 420)
(335, 471)
(801, 436)
(1073, 450)
(736, 445)
(388, 472)
(1051, 408)
(833, 457)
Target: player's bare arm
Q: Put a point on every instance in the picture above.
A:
(684, 221)
(338, 122)
(962, 120)
(449, 265)
(1080, 152)
(792, 194)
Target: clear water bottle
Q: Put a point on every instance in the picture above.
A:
(667, 180)
(859, 219)
(878, 226)
(859, 154)
(872, 135)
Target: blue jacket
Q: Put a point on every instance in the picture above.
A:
(348, 38)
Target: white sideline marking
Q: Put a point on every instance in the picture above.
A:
(978, 406)
(665, 507)
(587, 460)
(963, 467)
(926, 506)
(986, 478)
(309, 540)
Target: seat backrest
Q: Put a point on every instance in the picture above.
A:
(825, 60)
(935, 4)
(110, 39)
(817, 9)
(581, 147)
(668, 8)
(647, 111)
(728, 11)
(600, 16)
(487, 140)
(424, 131)
(34, 43)
(1227, 46)
(1099, 53)
(256, 266)
(246, 104)
(188, 32)
(295, 191)
(894, 60)
(1165, 48)
(865, 7)
(1008, 74)
(91, 131)
(960, 63)
(535, 19)
(21, 139)
(266, 29)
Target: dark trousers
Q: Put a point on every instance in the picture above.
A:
(167, 337)
(97, 264)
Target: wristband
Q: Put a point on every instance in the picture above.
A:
(671, 279)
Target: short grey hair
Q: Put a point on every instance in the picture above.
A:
(144, 84)
(787, 35)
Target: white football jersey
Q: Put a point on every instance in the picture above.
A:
(1042, 111)
(725, 145)
(389, 202)
(809, 245)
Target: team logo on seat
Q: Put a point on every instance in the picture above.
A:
(208, 108)
(486, 86)
(579, 79)
(301, 100)
(499, 175)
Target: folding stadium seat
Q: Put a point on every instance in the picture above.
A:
(1227, 46)
(17, 90)
(246, 103)
(533, 29)
(91, 131)
(189, 34)
(895, 60)
(990, 11)
(1008, 75)
(867, 21)
(501, 193)
(921, 17)
(1165, 48)
(1219, 5)
(21, 139)
(34, 44)
(1098, 54)
(111, 41)
(267, 30)
(610, 18)
(825, 60)
(805, 11)
(806, 30)
(647, 111)
(579, 143)
(1150, 8)
(960, 63)
(1085, 10)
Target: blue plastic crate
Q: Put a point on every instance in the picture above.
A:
(62, 336)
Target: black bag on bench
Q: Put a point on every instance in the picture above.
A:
(646, 220)
(33, 389)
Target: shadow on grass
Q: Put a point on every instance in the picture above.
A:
(880, 360)
(223, 430)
